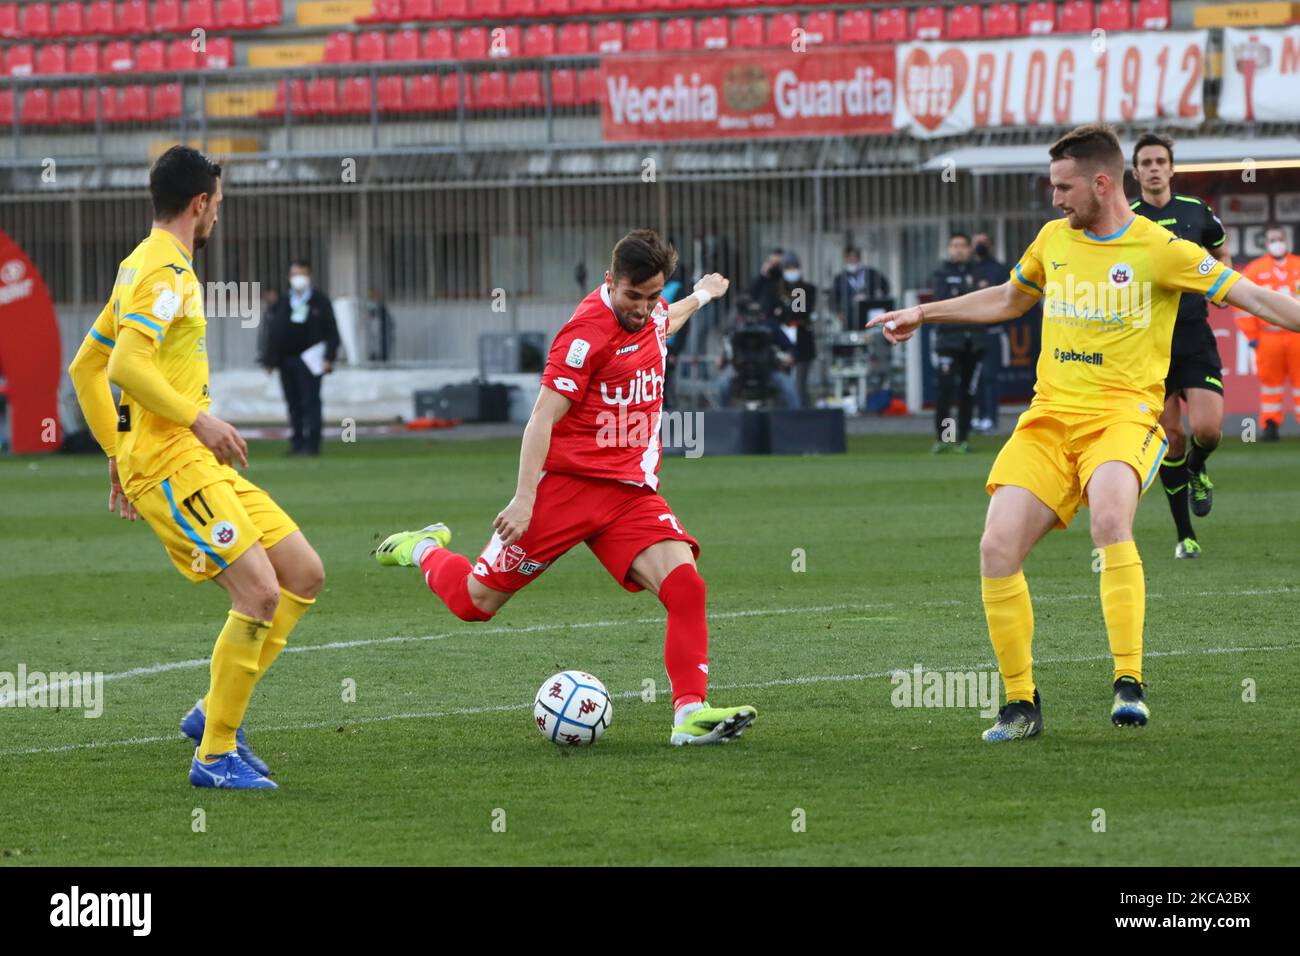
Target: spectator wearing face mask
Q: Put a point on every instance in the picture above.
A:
(302, 344)
(855, 285)
(796, 302)
(988, 271)
(1277, 351)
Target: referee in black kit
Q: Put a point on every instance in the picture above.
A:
(1195, 370)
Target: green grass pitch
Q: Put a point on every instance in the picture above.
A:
(440, 736)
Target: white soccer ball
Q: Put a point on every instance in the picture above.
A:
(572, 709)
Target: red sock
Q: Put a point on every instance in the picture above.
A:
(447, 574)
(686, 646)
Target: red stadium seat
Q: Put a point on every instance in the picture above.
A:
(526, 90)
(486, 9)
(552, 8)
(67, 105)
(150, 56)
(181, 55)
(36, 22)
(264, 13)
(453, 9)
(167, 101)
(20, 60)
(69, 21)
(84, 58)
(1074, 16)
(677, 34)
(713, 33)
(384, 11)
(819, 27)
(589, 88)
(101, 18)
(370, 47)
(928, 23)
(422, 96)
(891, 26)
(323, 95)
(391, 93)
(505, 41)
(780, 29)
(564, 87)
(574, 39)
(964, 22)
(338, 48)
(1002, 20)
(52, 59)
(166, 15)
(489, 91)
(855, 26)
(608, 37)
(232, 14)
(449, 91)
(1154, 14)
(198, 13)
(419, 9)
(519, 8)
(1039, 18)
(748, 31)
(539, 40)
(6, 108)
(438, 44)
(472, 44)
(133, 18)
(133, 104)
(1115, 15)
(643, 35)
(297, 98)
(9, 28)
(117, 57)
(103, 100)
(220, 54)
(404, 45)
(35, 110)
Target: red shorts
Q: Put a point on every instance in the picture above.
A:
(617, 522)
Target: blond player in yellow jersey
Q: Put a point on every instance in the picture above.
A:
(169, 461)
(1110, 282)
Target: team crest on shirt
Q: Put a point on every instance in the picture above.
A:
(509, 559)
(1121, 274)
(224, 534)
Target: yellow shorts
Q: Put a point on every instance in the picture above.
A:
(208, 515)
(1053, 454)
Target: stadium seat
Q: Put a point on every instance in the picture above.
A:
(232, 14)
(198, 13)
(168, 102)
(539, 40)
(1039, 18)
(264, 13)
(166, 15)
(489, 91)
(36, 23)
(608, 37)
(133, 18)
(84, 58)
(564, 87)
(9, 28)
(67, 105)
(1115, 15)
(103, 100)
(297, 98)
(552, 8)
(6, 108)
(35, 108)
(419, 9)
(323, 95)
(404, 45)
(928, 23)
(642, 35)
(101, 19)
(747, 31)
(391, 93)
(69, 21)
(485, 9)
(338, 48)
(1153, 14)
(117, 57)
(855, 26)
(181, 55)
(820, 27)
(1002, 20)
(505, 41)
(589, 90)
(453, 9)
(1074, 16)
(370, 47)
(677, 34)
(519, 8)
(384, 11)
(472, 44)
(449, 90)
(714, 33)
(422, 96)
(780, 29)
(964, 22)
(526, 90)
(220, 54)
(574, 39)
(438, 44)
(51, 59)
(150, 56)
(20, 60)
(891, 26)
(133, 104)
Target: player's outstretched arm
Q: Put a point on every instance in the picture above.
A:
(994, 304)
(1273, 307)
(711, 286)
(513, 521)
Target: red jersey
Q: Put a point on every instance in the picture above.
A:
(615, 380)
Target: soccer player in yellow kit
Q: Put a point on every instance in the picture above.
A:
(169, 461)
(1110, 282)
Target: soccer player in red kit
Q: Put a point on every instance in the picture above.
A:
(589, 472)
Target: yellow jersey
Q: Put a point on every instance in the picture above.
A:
(157, 292)
(1109, 307)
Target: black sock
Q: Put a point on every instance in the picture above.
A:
(1196, 455)
(1173, 475)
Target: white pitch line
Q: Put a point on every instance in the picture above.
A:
(630, 694)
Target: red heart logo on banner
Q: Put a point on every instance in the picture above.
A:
(932, 87)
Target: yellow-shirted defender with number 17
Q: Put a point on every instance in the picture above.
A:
(169, 461)
(1110, 282)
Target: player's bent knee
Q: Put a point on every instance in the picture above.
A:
(683, 586)
(259, 601)
(308, 577)
(999, 558)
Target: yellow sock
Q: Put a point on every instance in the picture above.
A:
(234, 672)
(1010, 616)
(287, 615)
(1124, 605)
